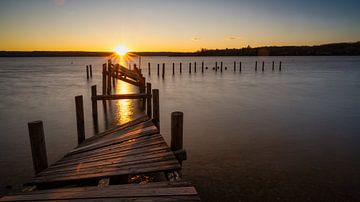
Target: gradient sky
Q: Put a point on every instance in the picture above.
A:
(174, 25)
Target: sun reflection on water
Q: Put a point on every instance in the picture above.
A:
(125, 107)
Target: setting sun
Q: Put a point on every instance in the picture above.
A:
(121, 50)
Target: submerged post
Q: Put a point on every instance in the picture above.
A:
(80, 118)
(180, 67)
(280, 66)
(272, 68)
(173, 68)
(240, 66)
(234, 66)
(202, 67)
(149, 72)
(38, 147)
(163, 70)
(262, 67)
(255, 66)
(90, 71)
(189, 67)
(195, 67)
(156, 108)
(221, 66)
(216, 67)
(158, 69)
(87, 72)
(148, 100)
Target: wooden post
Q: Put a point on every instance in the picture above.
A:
(255, 66)
(221, 66)
(38, 147)
(240, 66)
(139, 62)
(109, 76)
(234, 66)
(104, 79)
(80, 118)
(180, 67)
(149, 72)
(189, 67)
(216, 66)
(90, 71)
(156, 108)
(280, 66)
(94, 103)
(262, 67)
(163, 70)
(177, 119)
(195, 67)
(202, 67)
(148, 99)
(87, 72)
(173, 68)
(158, 69)
(273, 64)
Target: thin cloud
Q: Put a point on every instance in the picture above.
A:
(196, 39)
(232, 38)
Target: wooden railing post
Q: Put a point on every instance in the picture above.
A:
(38, 147)
(177, 121)
(109, 74)
(104, 79)
(156, 108)
(94, 103)
(80, 118)
(148, 100)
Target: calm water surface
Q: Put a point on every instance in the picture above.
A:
(265, 136)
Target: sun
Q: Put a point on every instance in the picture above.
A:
(121, 50)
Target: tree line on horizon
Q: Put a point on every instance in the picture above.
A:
(341, 49)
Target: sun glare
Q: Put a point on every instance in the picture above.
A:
(121, 50)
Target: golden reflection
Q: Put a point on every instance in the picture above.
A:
(125, 107)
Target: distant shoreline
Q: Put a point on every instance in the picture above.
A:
(335, 49)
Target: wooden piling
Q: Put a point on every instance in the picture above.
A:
(104, 79)
(109, 76)
(234, 66)
(189, 67)
(216, 67)
(156, 108)
(80, 118)
(240, 66)
(148, 100)
(280, 66)
(221, 66)
(262, 67)
(90, 71)
(180, 67)
(177, 120)
(194, 67)
(255, 66)
(149, 72)
(173, 68)
(158, 69)
(273, 64)
(202, 67)
(163, 70)
(139, 62)
(94, 103)
(38, 147)
(87, 71)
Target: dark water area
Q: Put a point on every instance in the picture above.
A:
(251, 136)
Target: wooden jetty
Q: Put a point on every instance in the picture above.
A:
(130, 162)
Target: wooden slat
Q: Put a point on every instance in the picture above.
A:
(122, 96)
(156, 191)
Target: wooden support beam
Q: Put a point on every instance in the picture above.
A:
(122, 96)
(148, 100)
(94, 103)
(177, 121)
(80, 118)
(38, 147)
(109, 71)
(104, 75)
(156, 108)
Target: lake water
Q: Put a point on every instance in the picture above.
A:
(292, 135)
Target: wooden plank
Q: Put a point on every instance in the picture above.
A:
(116, 128)
(126, 170)
(115, 140)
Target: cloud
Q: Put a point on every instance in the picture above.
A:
(232, 38)
(196, 39)
(58, 2)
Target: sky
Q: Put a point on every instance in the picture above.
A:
(174, 25)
